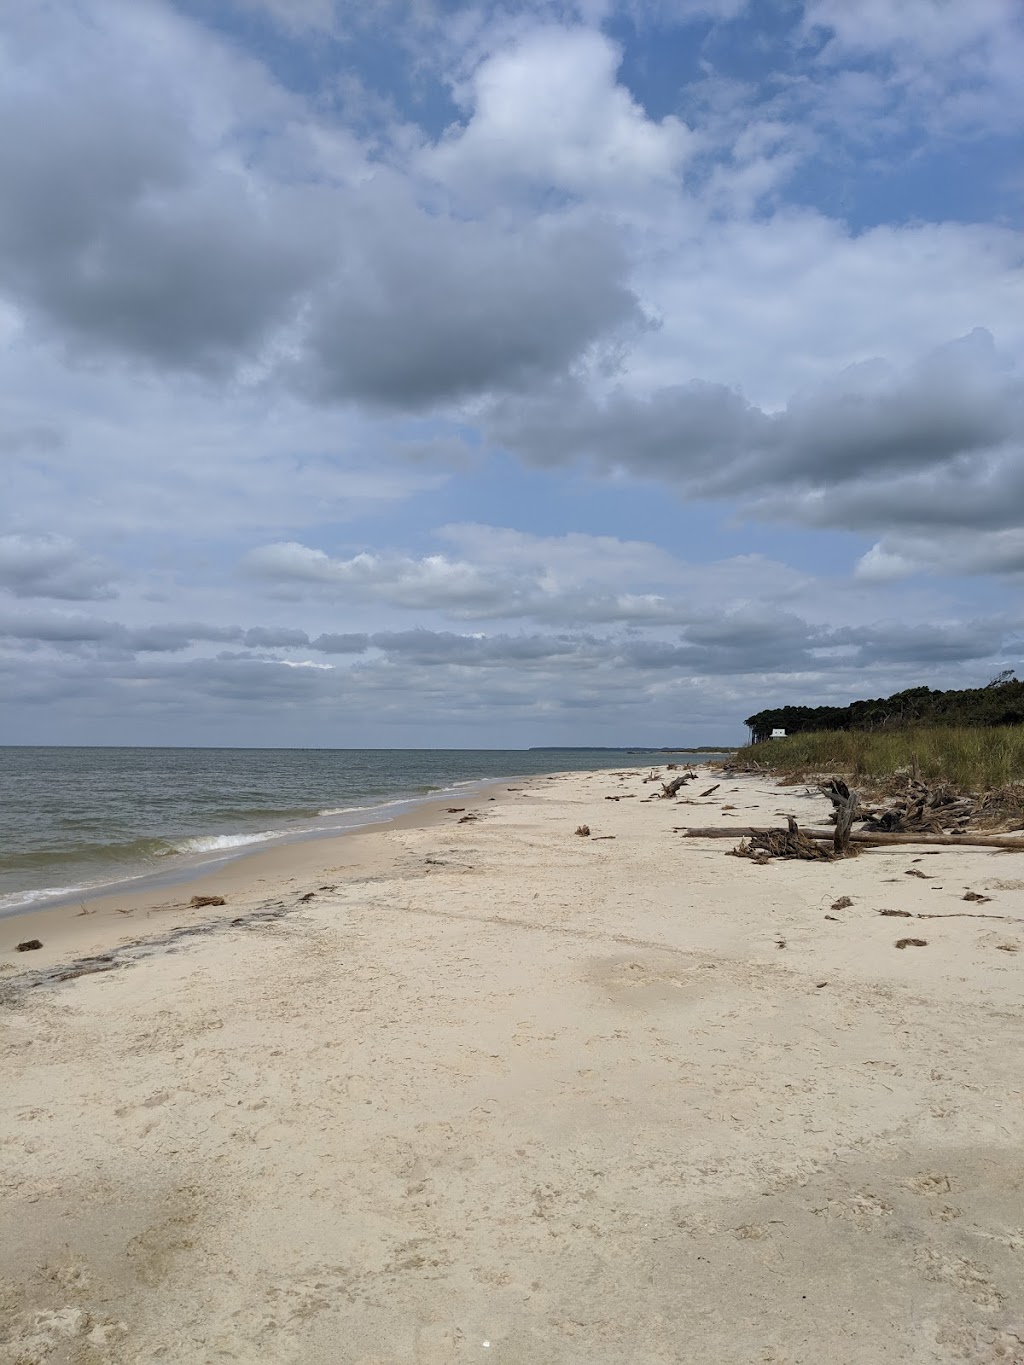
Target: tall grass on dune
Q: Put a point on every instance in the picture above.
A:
(975, 759)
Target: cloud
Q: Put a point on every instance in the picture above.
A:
(952, 66)
(130, 221)
(505, 574)
(949, 553)
(77, 631)
(744, 639)
(425, 309)
(938, 440)
(547, 113)
(429, 582)
(210, 226)
(52, 566)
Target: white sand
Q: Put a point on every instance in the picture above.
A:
(539, 1099)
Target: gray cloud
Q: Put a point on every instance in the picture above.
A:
(745, 640)
(52, 566)
(74, 631)
(263, 637)
(120, 227)
(355, 643)
(142, 219)
(424, 308)
(939, 442)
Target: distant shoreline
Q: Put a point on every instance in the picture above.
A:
(630, 749)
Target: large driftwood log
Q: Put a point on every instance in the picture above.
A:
(859, 837)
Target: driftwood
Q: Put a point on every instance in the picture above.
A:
(782, 843)
(859, 837)
(669, 789)
(966, 914)
(711, 789)
(939, 809)
(845, 802)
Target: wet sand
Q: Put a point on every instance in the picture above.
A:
(499, 1092)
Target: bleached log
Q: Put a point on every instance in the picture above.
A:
(860, 837)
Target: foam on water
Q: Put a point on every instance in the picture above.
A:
(216, 843)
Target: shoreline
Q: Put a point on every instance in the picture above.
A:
(497, 1090)
(190, 855)
(184, 868)
(96, 921)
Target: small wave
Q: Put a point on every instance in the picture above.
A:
(368, 808)
(24, 900)
(215, 843)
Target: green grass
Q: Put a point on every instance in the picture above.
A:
(973, 759)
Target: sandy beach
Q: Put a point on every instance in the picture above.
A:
(452, 1091)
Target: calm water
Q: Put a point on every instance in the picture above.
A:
(72, 820)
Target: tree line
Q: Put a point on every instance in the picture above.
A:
(1000, 702)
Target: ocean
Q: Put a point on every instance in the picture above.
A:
(74, 821)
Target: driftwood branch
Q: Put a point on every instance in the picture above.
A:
(967, 914)
(873, 840)
(845, 802)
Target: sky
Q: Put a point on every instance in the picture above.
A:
(427, 373)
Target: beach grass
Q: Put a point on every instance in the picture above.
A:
(970, 758)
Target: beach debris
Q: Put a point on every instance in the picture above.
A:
(1008, 947)
(465, 819)
(976, 896)
(29, 946)
(913, 872)
(136, 950)
(583, 830)
(309, 896)
(669, 789)
(819, 985)
(599, 837)
(911, 943)
(845, 804)
(197, 902)
(780, 943)
(966, 914)
(862, 838)
(913, 806)
(327, 888)
(455, 810)
(843, 903)
(711, 789)
(833, 918)
(782, 843)
(900, 914)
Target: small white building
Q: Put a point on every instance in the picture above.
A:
(777, 734)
